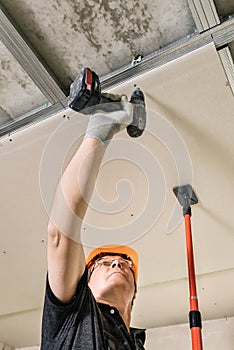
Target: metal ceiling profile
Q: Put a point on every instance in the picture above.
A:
(204, 14)
(228, 65)
(221, 36)
(205, 17)
(209, 30)
(28, 59)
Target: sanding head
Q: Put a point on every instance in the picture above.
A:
(186, 196)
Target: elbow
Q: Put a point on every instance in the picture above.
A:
(54, 235)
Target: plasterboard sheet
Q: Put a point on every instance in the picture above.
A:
(188, 101)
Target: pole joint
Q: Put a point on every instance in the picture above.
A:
(195, 319)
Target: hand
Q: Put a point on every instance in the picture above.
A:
(110, 118)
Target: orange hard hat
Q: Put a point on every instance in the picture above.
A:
(118, 250)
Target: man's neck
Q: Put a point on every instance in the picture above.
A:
(121, 305)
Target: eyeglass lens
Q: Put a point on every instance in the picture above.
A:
(114, 262)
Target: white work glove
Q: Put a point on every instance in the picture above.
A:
(110, 118)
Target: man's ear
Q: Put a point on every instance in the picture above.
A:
(90, 271)
(134, 297)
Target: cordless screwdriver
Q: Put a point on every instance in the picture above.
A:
(85, 92)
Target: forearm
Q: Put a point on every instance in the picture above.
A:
(76, 186)
(66, 261)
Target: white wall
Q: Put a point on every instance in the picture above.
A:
(216, 335)
(5, 347)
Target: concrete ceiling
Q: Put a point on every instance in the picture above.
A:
(188, 80)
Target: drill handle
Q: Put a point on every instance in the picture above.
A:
(136, 128)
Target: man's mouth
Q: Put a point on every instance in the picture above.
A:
(117, 272)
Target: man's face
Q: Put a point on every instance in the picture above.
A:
(112, 273)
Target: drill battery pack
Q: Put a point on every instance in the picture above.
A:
(85, 91)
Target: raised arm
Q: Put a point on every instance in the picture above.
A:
(66, 261)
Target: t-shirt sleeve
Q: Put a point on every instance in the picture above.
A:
(80, 288)
(58, 316)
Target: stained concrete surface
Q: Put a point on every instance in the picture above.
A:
(224, 8)
(19, 94)
(103, 35)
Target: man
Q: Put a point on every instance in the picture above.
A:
(88, 303)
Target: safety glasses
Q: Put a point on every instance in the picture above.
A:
(107, 262)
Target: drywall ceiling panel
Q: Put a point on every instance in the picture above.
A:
(19, 94)
(23, 152)
(202, 111)
(26, 329)
(189, 138)
(104, 35)
(168, 303)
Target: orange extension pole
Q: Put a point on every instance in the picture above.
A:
(194, 314)
(187, 197)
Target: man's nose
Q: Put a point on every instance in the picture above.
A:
(116, 263)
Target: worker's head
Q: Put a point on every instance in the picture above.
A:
(113, 266)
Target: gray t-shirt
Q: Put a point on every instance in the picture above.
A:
(84, 324)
